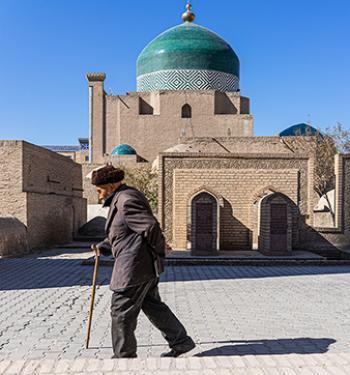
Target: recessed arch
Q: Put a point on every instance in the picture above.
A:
(275, 226)
(203, 223)
(256, 199)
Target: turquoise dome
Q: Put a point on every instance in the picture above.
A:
(299, 129)
(188, 56)
(123, 149)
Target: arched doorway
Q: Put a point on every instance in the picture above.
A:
(204, 212)
(276, 224)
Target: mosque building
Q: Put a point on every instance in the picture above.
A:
(187, 86)
(220, 187)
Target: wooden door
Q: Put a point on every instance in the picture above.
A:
(278, 227)
(204, 212)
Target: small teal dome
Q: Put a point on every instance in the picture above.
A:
(123, 149)
(188, 57)
(299, 129)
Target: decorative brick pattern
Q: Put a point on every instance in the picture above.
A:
(187, 79)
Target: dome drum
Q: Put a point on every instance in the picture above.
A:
(187, 79)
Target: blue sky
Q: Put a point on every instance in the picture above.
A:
(295, 58)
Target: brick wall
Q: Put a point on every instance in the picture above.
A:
(238, 182)
(122, 119)
(43, 191)
(12, 197)
(46, 172)
(13, 236)
(238, 188)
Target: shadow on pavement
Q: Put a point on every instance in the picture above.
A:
(223, 272)
(305, 345)
(37, 272)
(269, 347)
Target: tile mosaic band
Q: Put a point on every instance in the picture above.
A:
(187, 79)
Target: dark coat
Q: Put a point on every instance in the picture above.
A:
(134, 237)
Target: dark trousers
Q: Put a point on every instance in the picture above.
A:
(126, 306)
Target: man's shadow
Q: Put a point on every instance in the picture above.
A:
(269, 347)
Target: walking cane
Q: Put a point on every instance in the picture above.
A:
(92, 298)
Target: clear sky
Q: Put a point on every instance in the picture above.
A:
(295, 58)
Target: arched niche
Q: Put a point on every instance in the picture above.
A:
(186, 111)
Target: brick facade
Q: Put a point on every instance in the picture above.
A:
(240, 183)
(152, 122)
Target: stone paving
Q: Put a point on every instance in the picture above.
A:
(245, 320)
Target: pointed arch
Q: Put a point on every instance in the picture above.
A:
(205, 189)
(276, 224)
(203, 223)
(186, 111)
(261, 193)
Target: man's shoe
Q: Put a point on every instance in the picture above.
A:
(174, 353)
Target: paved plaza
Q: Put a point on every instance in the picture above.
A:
(245, 320)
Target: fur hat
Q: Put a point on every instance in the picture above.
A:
(107, 175)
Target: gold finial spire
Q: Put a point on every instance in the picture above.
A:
(188, 16)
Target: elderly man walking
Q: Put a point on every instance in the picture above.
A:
(135, 240)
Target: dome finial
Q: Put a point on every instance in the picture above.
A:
(188, 16)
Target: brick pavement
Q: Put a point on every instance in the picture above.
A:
(245, 320)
